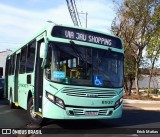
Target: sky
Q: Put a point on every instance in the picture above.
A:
(21, 19)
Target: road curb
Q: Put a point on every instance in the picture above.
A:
(140, 108)
(130, 101)
(147, 105)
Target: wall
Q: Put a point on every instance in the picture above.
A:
(3, 55)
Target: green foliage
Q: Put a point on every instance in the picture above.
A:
(129, 66)
(153, 48)
(136, 23)
(153, 91)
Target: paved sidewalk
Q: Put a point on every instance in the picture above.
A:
(141, 105)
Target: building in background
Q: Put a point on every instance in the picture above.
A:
(3, 56)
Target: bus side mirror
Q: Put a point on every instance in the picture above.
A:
(43, 54)
(43, 50)
(1, 71)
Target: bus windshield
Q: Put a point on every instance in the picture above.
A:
(80, 65)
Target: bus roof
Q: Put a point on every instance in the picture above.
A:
(49, 27)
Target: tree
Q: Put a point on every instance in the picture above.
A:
(129, 71)
(153, 48)
(134, 25)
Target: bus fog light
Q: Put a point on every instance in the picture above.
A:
(71, 112)
(110, 113)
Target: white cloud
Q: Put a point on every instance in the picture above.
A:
(30, 20)
(17, 25)
(100, 13)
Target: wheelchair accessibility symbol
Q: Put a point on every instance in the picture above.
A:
(98, 80)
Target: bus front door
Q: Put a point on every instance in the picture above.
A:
(16, 78)
(38, 93)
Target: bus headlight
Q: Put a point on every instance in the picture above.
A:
(50, 97)
(57, 101)
(118, 103)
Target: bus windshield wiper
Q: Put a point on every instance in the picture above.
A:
(76, 51)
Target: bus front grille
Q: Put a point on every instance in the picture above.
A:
(90, 93)
(82, 112)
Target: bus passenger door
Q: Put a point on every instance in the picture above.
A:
(38, 92)
(16, 78)
(6, 79)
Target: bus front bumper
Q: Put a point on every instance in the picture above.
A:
(53, 111)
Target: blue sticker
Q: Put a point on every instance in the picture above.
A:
(59, 74)
(98, 80)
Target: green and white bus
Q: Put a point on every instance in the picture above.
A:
(67, 72)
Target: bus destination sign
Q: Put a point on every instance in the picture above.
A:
(86, 36)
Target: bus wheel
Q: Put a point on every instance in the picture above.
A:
(11, 104)
(31, 115)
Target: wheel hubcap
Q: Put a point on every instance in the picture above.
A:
(33, 115)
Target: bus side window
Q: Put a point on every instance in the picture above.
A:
(12, 64)
(1, 71)
(23, 60)
(49, 63)
(30, 57)
(9, 67)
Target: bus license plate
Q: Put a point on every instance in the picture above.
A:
(91, 113)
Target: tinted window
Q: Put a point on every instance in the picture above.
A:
(1, 82)
(77, 65)
(9, 67)
(12, 64)
(30, 57)
(23, 60)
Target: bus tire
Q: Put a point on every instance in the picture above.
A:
(11, 104)
(33, 118)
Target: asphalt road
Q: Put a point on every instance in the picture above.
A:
(132, 118)
(11, 118)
